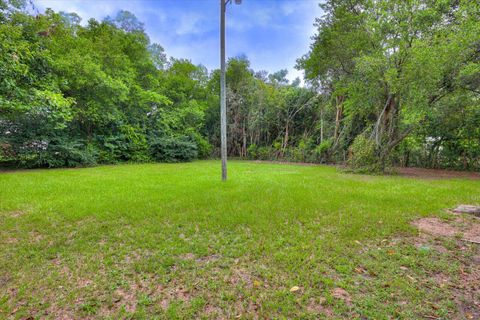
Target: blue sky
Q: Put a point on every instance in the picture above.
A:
(271, 33)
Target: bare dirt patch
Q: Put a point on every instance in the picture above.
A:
(466, 286)
(435, 227)
(318, 307)
(126, 298)
(11, 240)
(342, 294)
(17, 214)
(188, 256)
(56, 312)
(305, 164)
(436, 173)
(212, 310)
(402, 171)
(424, 240)
(473, 234)
(467, 290)
(467, 229)
(240, 275)
(35, 236)
(174, 293)
(208, 259)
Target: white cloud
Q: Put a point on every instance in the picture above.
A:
(85, 9)
(272, 33)
(190, 23)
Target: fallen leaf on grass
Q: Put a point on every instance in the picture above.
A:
(294, 289)
(359, 270)
(411, 278)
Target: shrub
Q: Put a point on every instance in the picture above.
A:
(252, 151)
(265, 153)
(173, 149)
(129, 145)
(300, 152)
(203, 146)
(260, 152)
(363, 156)
(321, 151)
(135, 146)
(57, 154)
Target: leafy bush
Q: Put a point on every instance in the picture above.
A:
(265, 153)
(261, 152)
(135, 144)
(111, 148)
(203, 146)
(299, 153)
(321, 151)
(56, 154)
(173, 149)
(128, 145)
(252, 151)
(363, 156)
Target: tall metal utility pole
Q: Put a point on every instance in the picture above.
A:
(223, 96)
(223, 93)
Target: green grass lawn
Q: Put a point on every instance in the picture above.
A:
(173, 241)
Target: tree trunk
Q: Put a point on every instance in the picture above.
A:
(339, 105)
(321, 125)
(385, 123)
(244, 138)
(285, 139)
(386, 130)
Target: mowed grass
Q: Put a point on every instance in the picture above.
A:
(172, 241)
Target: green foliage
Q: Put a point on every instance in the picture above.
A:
(261, 152)
(394, 68)
(173, 149)
(203, 146)
(101, 92)
(73, 95)
(252, 151)
(59, 153)
(363, 156)
(322, 150)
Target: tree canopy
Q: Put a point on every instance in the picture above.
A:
(400, 75)
(387, 83)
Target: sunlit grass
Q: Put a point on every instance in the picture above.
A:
(172, 240)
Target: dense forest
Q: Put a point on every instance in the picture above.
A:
(387, 83)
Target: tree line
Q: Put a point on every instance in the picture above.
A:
(402, 79)
(386, 83)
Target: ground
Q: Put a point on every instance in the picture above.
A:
(275, 241)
